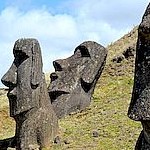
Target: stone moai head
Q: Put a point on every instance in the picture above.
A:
(75, 77)
(24, 76)
(140, 103)
(30, 106)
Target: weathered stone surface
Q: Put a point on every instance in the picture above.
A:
(139, 109)
(143, 142)
(95, 133)
(74, 79)
(9, 142)
(30, 106)
(140, 102)
(57, 140)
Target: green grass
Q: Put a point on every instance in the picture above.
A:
(107, 113)
(7, 124)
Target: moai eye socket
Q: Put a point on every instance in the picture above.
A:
(20, 56)
(83, 50)
(19, 53)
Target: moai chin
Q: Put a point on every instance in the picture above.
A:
(75, 77)
(139, 109)
(30, 106)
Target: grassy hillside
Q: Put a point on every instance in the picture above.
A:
(104, 125)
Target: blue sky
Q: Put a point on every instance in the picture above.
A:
(61, 25)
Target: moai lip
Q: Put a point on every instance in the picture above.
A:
(30, 106)
(73, 82)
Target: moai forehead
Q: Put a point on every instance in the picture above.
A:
(75, 77)
(29, 48)
(25, 46)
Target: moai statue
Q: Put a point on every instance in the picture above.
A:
(74, 79)
(30, 106)
(139, 109)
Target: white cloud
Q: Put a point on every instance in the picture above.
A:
(99, 20)
(118, 13)
(55, 33)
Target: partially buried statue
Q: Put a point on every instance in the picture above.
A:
(139, 109)
(30, 106)
(74, 79)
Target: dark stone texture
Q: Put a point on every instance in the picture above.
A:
(75, 77)
(57, 140)
(143, 142)
(95, 134)
(30, 106)
(66, 141)
(9, 142)
(140, 102)
(139, 109)
(129, 52)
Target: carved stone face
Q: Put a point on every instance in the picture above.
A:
(22, 78)
(74, 78)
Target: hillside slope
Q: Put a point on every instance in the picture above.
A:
(104, 125)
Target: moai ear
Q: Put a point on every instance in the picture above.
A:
(36, 68)
(94, 66)
(91, 74)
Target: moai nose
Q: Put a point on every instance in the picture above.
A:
(9, 79)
